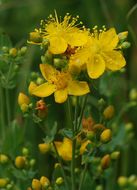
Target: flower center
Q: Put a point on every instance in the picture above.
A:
(61, 80)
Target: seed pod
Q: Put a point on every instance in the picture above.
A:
(105, 161)
(106, 136)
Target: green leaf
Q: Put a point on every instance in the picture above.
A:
(50, 137)
(67, 133)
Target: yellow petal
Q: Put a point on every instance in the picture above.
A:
(61, 95)
(78, 88)
(57, 45)
(95, 66)
(114, 60)
(108, 40)
(48, 72)
(44, 90)
(31, 87)
(77, 38)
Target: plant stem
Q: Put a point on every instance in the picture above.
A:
(62, 170)
(2, 112)
(8, 106)
(82, 111)
(72, 126)
(83, 176)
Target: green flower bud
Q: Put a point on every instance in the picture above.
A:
(32, 162)
(133, 94)
(13, 52)
(129, 127)
(23, 50)
(115, 155)
(3, 159)
(59, 180)
(99, 187)
(25, 151)
(122, 181)
(125, 45)
(5, 49)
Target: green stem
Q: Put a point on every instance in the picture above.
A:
(72, 126)
(82, 111)
(62, 170)
(2, 112)
(8, 106)
(83, 176)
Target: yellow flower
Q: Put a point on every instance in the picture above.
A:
(60, 34)
(64, 149)
(59, 83)
(99, 54)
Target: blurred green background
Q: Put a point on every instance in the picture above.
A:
(19, 17)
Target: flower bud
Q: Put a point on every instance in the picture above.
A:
(3, 159)
(23, 99)
(23, 50)
(90, 135)
(44, 181)
(115, 155)
(133, 94)
(3, 182)
(32, 162)
(106, 136)
(44, 148)
(105, 161)
(57, 165)
(39, 81)
(125, 45)
(9, 186)
(109, 112)
(123, 35)
(5, 49)
(13, 52)
(59, 180)
(35, 37)
(25, 151)
(122, 181)
(36, 185)
(132, 179)
(101, 103)
(99, 187)
(129, 127)
(20, 162)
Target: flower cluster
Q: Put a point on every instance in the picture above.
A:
(73, 50)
